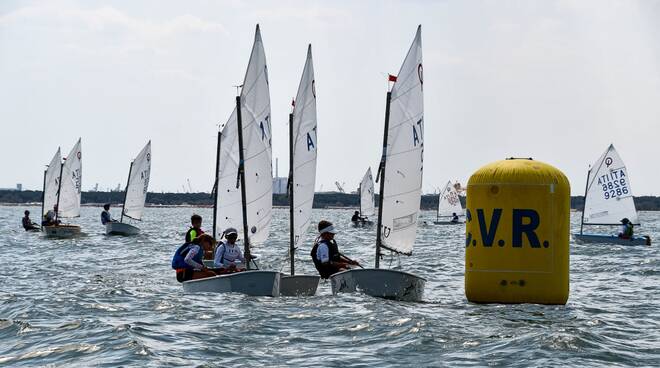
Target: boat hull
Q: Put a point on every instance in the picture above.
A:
(254, 283)
(382, 283)
(298, 285)
(62, 231)
(611, 239)
(120, 228)
(365, 223)
(448, 223)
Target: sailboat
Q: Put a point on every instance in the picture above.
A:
(449, 203)
(367, 207)
(243, 191)
(303, 145)
(135, 194)
(400, 178)
(608, 199)
(67, 194)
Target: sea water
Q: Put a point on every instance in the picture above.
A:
(114, 301)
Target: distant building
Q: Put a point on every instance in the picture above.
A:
(19, 187)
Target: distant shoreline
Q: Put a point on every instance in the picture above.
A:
(321, 200)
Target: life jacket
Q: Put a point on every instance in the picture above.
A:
(192, 234)
(629, 230)
(325, 270)
(179, 258)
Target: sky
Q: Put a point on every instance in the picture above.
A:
(554, 80)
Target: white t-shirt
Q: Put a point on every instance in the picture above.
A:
(228, 254)
(323, 253)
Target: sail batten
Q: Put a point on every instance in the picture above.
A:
(70, 188)
(404, 155)
(609, 197)
(305, 146)
(256, 131)
(138, 184)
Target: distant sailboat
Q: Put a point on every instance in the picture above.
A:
(135, 194)
(67, 197)
(244, 177)
(303, 145)
(367, 207)
(449, 203)
(608, 199)
(400, 178)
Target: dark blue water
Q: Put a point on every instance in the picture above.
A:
(112, 301)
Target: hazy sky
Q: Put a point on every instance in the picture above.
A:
(554, 80)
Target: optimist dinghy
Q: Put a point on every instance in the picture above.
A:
(608, 199)
(62, 185)
(302, 177)
(243, 190)
(135, 194)
(400, 176)
(449, 203)
(367, 207)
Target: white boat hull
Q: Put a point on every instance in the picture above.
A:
(383, 283)
(611, 239)
(255, 283)
(120, 228)
(62, 231)
(299, 285)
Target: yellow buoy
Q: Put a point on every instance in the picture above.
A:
(517, 233)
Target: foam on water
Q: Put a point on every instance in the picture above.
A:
(109, 301)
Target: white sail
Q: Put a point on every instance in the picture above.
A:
(255, 115)
(609, 197)
(70, 189)
(138, 184)
(51, 182)
(367, 207)
(304, 150)
(449, 202)
(404, 154)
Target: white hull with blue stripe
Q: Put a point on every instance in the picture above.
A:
(611, 239)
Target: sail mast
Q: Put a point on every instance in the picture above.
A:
(123, 207)
(292, 242)
(241, 177)
(217, 179)
(381, 178)
(584, 204)
(360, 198)
(59, 188)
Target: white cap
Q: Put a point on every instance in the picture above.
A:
(328, 229)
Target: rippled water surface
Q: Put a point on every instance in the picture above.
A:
(111, 301)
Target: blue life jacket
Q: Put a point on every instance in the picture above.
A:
(179, 258)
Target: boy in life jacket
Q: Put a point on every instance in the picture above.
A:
(229, 255)
(325, 252)
(626, 231)
(188, 259)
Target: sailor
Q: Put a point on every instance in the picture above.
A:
(27, 222)
(195, 228)
(50, 217)
(188, 259)
(356, 217)
(626, 231)
(105, 215)
(454, 218)
(229, 255)
(325, 252)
